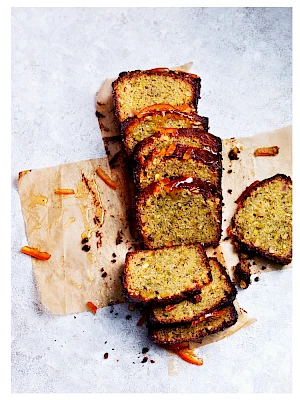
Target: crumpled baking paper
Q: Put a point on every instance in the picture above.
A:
(57, 224)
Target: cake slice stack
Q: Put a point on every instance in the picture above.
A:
(177, 164)
(178, 157)
(177, 171)
(189, 295)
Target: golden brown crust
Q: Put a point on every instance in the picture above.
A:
(193, 80)
(249, 247)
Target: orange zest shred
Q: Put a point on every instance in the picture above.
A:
(153, 108)
(189, 356)
(183, 351)
(266, 151)
(92, 307)
(166, 130)
(103, 175)
(185, 108)
(170, 307)
(36, 253)
(162, 152)
(143, 319)
(170, 149)
(160, 69)
(213, 314)
(187, 154)
(64, 191)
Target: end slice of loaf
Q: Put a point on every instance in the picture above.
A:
(181, 210)
(219, 292)
(135, 90)
(135, 129)
(170, 334)
(168, 138)
(166, 275)
(262, 223)
(183, 161)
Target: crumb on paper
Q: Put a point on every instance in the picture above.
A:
(242, 273)
(86, 248)
(233, 154)
(119, 238)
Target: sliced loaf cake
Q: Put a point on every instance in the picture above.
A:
(135, 90)
(135, 129)
(262, 223)
(173, 334)
(219, 292)
(166, 275)
(181, 210)
(168, 139)
(181, 161)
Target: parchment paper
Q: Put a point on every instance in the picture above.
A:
(56, 223)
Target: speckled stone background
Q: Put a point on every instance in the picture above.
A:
(60, 56)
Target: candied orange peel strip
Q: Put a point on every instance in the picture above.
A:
(185, 108)
(189, 356)
(171, 307)
(187, 154)
(213, 314)
(266, 151)
(143, 319)
(155, 107)
(170, 149)
(64, 191)
(183, 351)
(103, 175)
(162, 152)
(160, 69)
(92, 307)
(36, 253)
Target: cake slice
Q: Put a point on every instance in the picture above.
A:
(182, 160)
(166, 275)
(219, 292)
(170, 334)
(135, 129)
(180, 210)
(169, 139)
(135, 90)
(262, 224)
